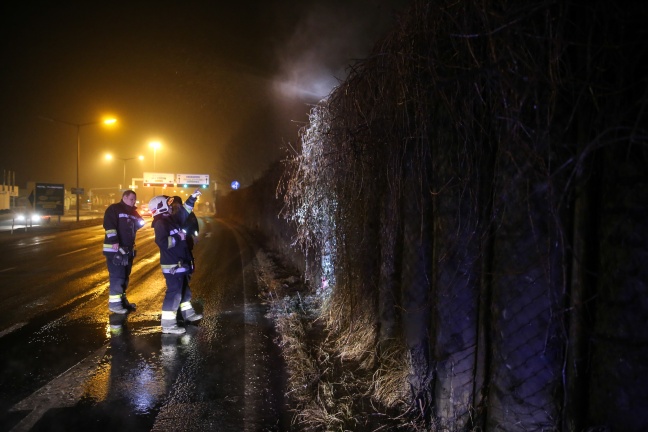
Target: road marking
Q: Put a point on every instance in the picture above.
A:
(7, 269)
(63, 391)
(68, 253)
(11, 329)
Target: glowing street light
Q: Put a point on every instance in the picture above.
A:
(154, 145)
(111, 157)
(78, 126)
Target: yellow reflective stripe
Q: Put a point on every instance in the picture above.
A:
(111, 231)
(115, 298)
(185, 306)
(170, 242)
(168, 315)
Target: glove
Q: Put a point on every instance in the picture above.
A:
(120, 259)
(196, 193)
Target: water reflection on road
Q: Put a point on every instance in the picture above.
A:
(98, 371)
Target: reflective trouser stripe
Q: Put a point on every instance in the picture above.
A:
(185, 306)
(117, 298)
(169, 315)
(172, 269)
(169, 318)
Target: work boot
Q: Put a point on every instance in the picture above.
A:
(194, 317)
(128, 305)
(117, 308)
(174, 329)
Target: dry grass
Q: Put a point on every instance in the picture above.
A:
(335, 382)
(389, 381)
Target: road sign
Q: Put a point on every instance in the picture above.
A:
(76, 191)
(192, 179)
(49, 198)
(158, 178)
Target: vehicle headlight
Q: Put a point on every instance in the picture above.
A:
(20, 217)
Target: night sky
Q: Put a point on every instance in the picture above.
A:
(223, 86)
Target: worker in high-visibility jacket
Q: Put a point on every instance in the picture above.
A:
(121, 222)
(175, 260)
(188, 222)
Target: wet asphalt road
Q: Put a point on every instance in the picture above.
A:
(67, 364)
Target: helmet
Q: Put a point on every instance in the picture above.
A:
(160, 205)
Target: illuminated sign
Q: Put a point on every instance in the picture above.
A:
(192, 179)
(158, 178)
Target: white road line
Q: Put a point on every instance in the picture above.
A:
(11, 329)
(63, 391)
(68, 253)
(7, 269)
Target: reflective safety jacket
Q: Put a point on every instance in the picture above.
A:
(175, 254)
(121, 223)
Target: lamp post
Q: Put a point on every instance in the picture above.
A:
(154, 145)
(78, 127)
(110, 157)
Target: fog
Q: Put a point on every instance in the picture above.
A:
(223, 88)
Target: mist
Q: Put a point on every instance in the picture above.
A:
(224, 88)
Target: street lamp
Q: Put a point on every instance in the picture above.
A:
(78, 127)
(110, 157)
(154, 145)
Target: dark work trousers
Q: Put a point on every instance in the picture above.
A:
(119, 275)
(177, 293)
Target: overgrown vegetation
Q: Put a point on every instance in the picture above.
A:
(470, 205)
(327, 392)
